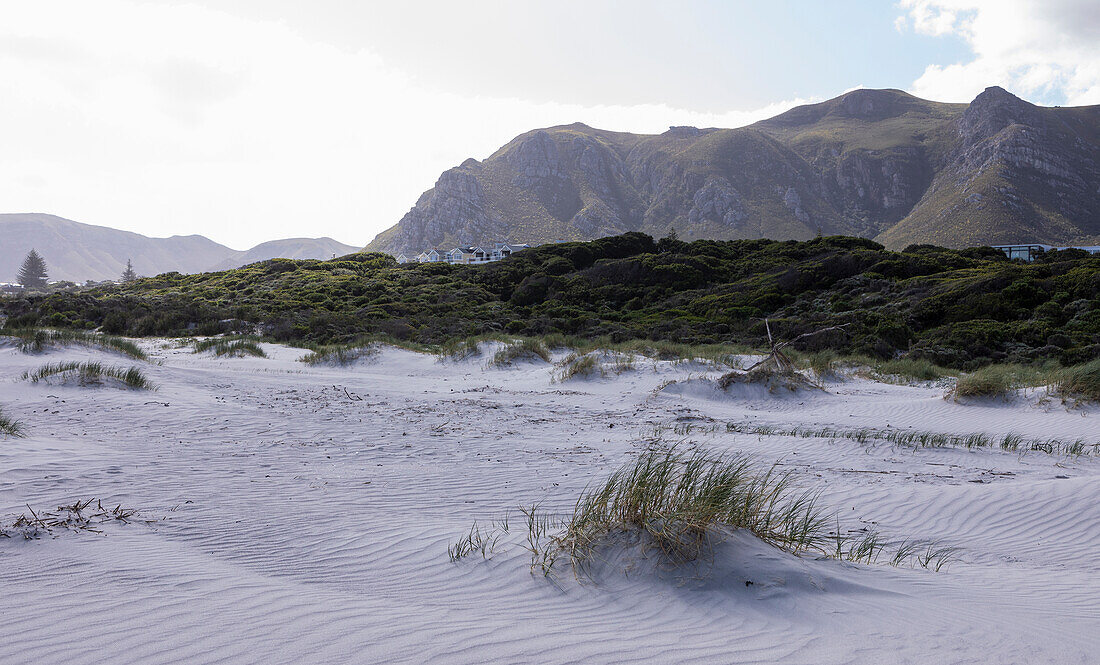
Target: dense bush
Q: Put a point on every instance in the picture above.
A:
(954, 308)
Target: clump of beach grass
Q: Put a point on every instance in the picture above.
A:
(916, 369)
(460, 349)
(575, 365)
(996, 381)
(37, 340)
(231, 347)
(9, 426)
(522, 349)
(907, 438)
(339, 354)
(773, 379)
(1078, 381)
(679, 504)
(682, 501)
(91, 373)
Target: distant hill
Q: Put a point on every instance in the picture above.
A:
(78, 252)
(880, 164)
(288, 248)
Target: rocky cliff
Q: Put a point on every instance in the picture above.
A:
(876, 163)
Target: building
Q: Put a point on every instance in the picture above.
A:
(1032, 251)
(466, 255)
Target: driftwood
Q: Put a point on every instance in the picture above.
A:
(776, 355)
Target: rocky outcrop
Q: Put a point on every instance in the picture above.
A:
(876, 163)
(1015, 172)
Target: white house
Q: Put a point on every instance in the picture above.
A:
(460, 255)
(466, 255)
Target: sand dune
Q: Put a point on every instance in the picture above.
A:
(303, 513)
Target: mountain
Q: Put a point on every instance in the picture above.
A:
(79, 252)
(288, 248)
(881, 164)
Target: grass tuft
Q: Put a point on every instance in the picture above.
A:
(339, 354)
(577, 365)
(773, 379)
(1079, 380)
(522, 349)
(996, 381)
(916, 369)
(37, 340)
(681, 501)
(231, 347)
(679, 504)
(9, 426)
(91, 373)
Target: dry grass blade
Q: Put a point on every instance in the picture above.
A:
(81, 515)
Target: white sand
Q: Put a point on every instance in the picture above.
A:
(296, 525)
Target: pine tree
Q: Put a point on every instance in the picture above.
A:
(129, 275)
(33, 272)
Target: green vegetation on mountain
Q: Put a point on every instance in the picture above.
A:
(879, 164)
(959, 308)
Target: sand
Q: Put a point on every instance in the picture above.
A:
(298, 514)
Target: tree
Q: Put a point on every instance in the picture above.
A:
(33, 272)
(129, 275)
(670, 243)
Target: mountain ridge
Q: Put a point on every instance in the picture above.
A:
(880, 164)
(76, 251)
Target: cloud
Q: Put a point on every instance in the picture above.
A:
(165, 118)
(1046, 50)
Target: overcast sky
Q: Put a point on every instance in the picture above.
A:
(249, 120)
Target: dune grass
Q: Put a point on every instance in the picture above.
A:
(897, 370)
(9, 426)
(230, 347)
(770, 377)
(37, 340)
(521, 349)
(727, 355)
(575, 365)
(1078, 381)
(339, 354)
(91, 373)
(904, 438)
(997, 381)
(461, 349)
(680, 501)
(917, 369)
(679, 504)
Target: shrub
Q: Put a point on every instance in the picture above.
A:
(91, 373)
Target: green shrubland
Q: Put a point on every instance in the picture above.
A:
(952, 308)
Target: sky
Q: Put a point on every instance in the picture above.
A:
(250, 120)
